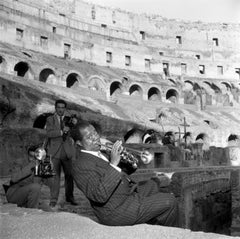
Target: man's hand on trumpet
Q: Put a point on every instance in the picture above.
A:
(116, 152)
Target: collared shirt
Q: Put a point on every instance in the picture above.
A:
(59, 117)
(100, 155)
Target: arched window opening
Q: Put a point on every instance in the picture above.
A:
(227, 86)
(232, 137)
(21, 68)
(152, 137)
(135, 90)
(40, 121)
(201, 137)
(97, 84)
(133, 136)
(188, 86)
(216, 88)
(115, 88)
(72, 80)
(3, 64)
(154, 94)
(172, 95)
(172, 81)
(47, 76)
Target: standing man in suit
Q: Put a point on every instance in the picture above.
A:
(115, 198)
(60, 147)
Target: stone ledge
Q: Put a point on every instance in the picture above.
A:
(23, 223)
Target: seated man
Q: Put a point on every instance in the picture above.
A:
(115, 198)
(24, 188)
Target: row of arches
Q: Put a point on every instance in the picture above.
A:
(210, 93)
(205, 92)
(75, 79)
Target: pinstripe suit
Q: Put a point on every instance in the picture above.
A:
(117, 200)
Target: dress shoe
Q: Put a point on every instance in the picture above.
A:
(72, 201)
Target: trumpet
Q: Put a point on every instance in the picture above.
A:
(128, 162)
(130, 157)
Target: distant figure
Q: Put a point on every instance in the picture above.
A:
(188, 140)
(169, 138)
(234, 150)
(187, 145)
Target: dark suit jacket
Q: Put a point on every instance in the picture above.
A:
(109, 191)
(117, 200)
(55, 140)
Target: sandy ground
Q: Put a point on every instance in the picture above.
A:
(69, 221)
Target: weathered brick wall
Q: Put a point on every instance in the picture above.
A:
(121, 36)
(204, 196)
(235, 181)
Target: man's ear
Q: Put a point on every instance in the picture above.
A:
(78, 142)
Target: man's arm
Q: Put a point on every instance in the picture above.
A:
(97, 182)
(19, 174)
(52, 130)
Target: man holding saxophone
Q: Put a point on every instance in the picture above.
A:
(115, 198)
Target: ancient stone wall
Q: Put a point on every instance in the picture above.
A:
(119, 39)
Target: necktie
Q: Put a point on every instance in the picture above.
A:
(61, 122)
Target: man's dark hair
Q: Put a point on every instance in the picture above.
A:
(60, 102)
(76, 131)
(32, 148)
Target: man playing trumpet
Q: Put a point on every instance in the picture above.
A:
(115, 198)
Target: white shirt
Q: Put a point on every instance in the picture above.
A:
(100, 155)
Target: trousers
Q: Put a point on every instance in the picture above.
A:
(25, 196)
(62, 162)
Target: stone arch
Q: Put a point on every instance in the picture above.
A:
(201, 137)
(22, 68)
(204, 139)
(133, 136)
(227, 85)
(135, 90)
(40, 121)
(172, 81)
(227, 97)
(27, 54)
(154, 94)
(125, 80)
(232, 137)
(73, 80)
(96, 83)
(3, 64)
(47, 75)
(172, 95)
(216, 88)
(115, 88)
(188, 92)
(208, 96)
(200, 95)
(188, 85)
